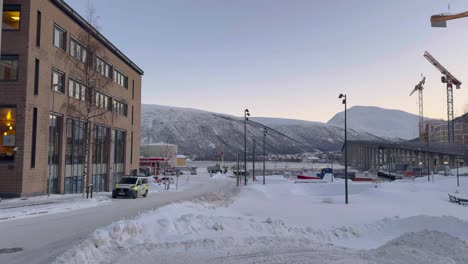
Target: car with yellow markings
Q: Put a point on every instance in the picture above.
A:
(131, 187)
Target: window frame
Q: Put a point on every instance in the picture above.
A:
(64, 40)
(2, 56)
(106, 96)
(105, 63)
(82, 92)
(52, 80)
(118, 73)
(15, 124)
(122, 108)
(77, 43)
(12, 7)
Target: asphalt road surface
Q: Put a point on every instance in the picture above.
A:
(40, 239)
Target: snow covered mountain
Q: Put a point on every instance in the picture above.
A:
(207, 134)
(386, 123)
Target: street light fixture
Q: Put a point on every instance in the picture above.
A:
(345, 146)
(246, 115)
(265, 132)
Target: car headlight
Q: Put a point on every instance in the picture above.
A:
(116, 185)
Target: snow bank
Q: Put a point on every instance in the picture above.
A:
(41, 205)
(422, 247)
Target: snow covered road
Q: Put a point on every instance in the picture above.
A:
(40, 239)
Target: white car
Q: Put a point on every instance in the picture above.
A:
(130, 186)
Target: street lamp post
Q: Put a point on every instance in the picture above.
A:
(345, 146)
(265, 132)
(246, 115)
(458, 178)
(147, 140)
(253, 160)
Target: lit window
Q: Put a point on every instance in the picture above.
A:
(60, 38)
(11, 17)
(8, 134)
(9, 68)
(58, 81)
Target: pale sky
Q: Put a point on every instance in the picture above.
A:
(289, 58)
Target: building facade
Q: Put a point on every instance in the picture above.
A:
(63, 84)
(438, 132)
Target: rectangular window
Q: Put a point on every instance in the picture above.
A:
(77, 50)
(103, 67)
(38, 29)
(58, 81)
(60, 38)
(36, 78)
(103, 101)
(133, 89)
(131, 149)
(76, 90)
(119, 146)
(9, 68)
(34, 137)
(120, 79)
(8, 133)
(132, 115)
(11, 17)
(119, 155)
(119, 107)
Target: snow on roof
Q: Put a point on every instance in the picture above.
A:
(181, 156)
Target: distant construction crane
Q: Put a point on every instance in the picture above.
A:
(440, 20)
(419, 87)
(450, 80)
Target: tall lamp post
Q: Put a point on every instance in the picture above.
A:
(345, 146)
(253, 160)
(246, 118)
(265, 132)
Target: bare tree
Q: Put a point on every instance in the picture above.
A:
(87, 98)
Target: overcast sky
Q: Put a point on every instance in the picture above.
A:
(289, 58)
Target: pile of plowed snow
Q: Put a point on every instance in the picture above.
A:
(421, 247)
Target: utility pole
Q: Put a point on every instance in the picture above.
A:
(264, 157)
(246, 115)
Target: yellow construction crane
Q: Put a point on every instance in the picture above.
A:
(440, 20)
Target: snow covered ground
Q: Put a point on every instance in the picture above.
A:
(13, 209)
(282, 222)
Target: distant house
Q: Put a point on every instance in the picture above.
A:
(181, 160)
(311, 159)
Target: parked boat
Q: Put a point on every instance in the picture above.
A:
(307, 177)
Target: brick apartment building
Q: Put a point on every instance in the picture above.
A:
(45, 89)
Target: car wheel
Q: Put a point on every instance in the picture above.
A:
(146, 194)
(135, 195)
(114, 196)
